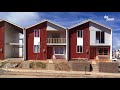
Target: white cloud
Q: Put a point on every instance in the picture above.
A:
(108, 18)
(21, 18)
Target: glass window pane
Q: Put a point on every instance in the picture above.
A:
(97, 36)
(102, 37)
(100, 51)
(105, 51)
(80, 48)
(81, 33)
(59, 50)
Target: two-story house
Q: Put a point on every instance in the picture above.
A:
(46, 40)
(91, 40)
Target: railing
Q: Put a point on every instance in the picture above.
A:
(56, 40)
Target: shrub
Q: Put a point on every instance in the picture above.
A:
(2, 64)
(41, 65)
(38, 65)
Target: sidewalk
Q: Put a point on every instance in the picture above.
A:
(75, 73)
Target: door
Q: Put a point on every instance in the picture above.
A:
(92, 53)
(49, 52)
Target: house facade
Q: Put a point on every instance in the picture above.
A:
(47, 40)
(91, 40)
(9, 40)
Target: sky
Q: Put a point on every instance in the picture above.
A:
(68, 19)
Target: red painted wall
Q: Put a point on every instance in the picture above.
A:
(30, 55)
(2, 31)
(73, 41)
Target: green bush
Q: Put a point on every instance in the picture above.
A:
(41, 65)
(32, 65)
(2, 64)
(38, 65)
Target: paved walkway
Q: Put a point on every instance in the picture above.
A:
(27, 73)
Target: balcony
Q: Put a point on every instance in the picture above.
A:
(56, 40)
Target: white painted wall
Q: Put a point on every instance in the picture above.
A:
(108, 36)
(11, 36)
(24, 47)
(93, 28)
(36, 40)
(79, 41)
(52, 27)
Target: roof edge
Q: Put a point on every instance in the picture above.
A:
(45, 20)
(11, 23)
(89, 20)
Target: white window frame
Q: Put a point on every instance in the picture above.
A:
(80, 33)
(79, 48)
(59, 54)
(36, 30)
(101, 38)
(34, 49)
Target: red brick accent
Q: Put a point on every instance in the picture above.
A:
(30, 55)
(2, 34)
(73, 41)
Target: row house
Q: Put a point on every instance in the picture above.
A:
(48, 40)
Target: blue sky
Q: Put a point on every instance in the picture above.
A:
(67, 19)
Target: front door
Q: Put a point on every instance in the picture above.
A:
(49, 52)
(92, 53)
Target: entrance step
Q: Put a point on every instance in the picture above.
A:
(51, 66)
(95, 67)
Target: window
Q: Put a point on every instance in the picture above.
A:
(80, 33)
(79, 49)
(59, 50)
(100, 51)
(103, 51)
(55, 35)
(100, 37)
(36, 33)
(36, 48)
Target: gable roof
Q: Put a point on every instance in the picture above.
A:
(89, 20)
(45, 20)
(3, 20)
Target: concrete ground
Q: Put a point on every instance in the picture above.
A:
(27, 73)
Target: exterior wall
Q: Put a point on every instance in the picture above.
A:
(93, 29)
(30, 55)
(67, 45)
(73, 41)
(24, 45)
(95, 52)
(111, 47)
(2, 32)
(97, 56)
(11, 36)
(62, 34)
(57, 56)
(52, 27)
